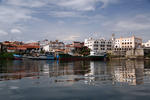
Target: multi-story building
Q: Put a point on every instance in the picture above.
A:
(128, 43)
(147, 44)
(98, 46)
(53, 46)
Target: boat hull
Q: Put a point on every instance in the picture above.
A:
(41, 58)
(17, 57)
(67, 57)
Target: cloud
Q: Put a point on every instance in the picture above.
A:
(13, 14)
(107, 2)
(79, 5)
(15, 31)
(137, 23)
(64, 14)
(82, 5)
(71, 38)
(131, 26)
(3, 33)
(26, 3)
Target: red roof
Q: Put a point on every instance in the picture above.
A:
(21, 48)
(28, 46)
(11, 48)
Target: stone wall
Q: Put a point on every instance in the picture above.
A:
(135, 53)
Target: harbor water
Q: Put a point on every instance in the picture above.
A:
(79, 80)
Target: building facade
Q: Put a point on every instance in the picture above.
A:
(128, 43)
(53, 46)
(69, 48)
(98, 46)
(147, 44)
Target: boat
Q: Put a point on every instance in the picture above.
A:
(68, 57)
(17, 57)
(42, 57)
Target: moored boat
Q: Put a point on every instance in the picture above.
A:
(42, 57)
(17, 57)
(68, 57)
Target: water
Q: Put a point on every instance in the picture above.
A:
(81, 80)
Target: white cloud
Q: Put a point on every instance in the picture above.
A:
(71, 38)
(69, 14)
(63, 14)
(137, 23)
(15, 31)
(3, 33)
(13, 14)
(82, 5)
(107, 2)
(131, 26)
(26, 3)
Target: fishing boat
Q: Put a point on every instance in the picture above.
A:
(17, 57)
(68, 57)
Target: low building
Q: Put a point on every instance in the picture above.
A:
(43, 43)
(71, 48)
(147, 44)
(98, 46)
(129, 43)
(20, 47)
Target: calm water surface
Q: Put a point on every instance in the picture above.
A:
(81, 80)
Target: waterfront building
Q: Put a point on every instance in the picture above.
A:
(44, 42)
(53, 46)
(70, 48)
(16, 46)
(147, 44)
(128, 43)
(98, 46)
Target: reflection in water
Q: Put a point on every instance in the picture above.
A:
(81, 80)
(131, 72)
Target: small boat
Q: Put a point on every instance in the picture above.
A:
(17, 57)
(42, 57)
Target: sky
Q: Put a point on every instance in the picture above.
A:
(73, 20)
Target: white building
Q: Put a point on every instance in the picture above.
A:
(98, 46)
(128, 43)
(147, 44)
(54, 45)
(44, 42)
(46, 48)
